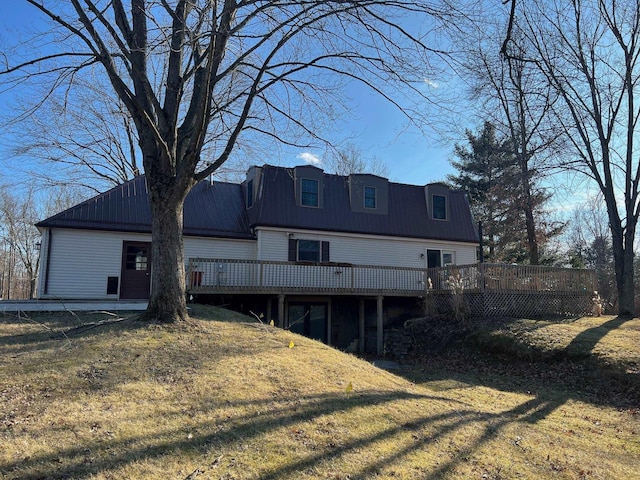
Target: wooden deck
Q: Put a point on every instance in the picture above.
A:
(216, 276)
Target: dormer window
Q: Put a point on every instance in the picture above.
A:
(439, 207)
(368, 194)
(309, 194)
(369, 197)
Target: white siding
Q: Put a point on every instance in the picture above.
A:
(466, 255)
(81, 260)
(219, 248)
(274, 245)
(363, 249)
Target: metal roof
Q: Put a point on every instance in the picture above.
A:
(407, 214)
(211, 209)
(218, 210)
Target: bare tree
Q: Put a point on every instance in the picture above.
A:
(350, 159)
(515, 97)
(588, 51)
(87, 139)
(590, 241)
(20, 239)
(196, 73)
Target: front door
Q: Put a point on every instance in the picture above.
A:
(308, 319)
(135, 277)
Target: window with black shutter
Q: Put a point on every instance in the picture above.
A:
(308, 250)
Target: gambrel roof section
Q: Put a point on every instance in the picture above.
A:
(219, 209)
(407, 213)
(210, 210)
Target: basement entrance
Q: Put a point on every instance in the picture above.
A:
(308, 319)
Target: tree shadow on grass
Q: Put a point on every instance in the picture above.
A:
(222, 433)
(573, 373)
(269, 415)
(104, 455)
(585, 342)
(505, 362)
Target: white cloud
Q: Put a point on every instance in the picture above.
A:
(431, 83)
(310, 158)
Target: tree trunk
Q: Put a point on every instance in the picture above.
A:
(530, 223)
(623, 261)
(168, 284)
(626, 299)
(532, 240)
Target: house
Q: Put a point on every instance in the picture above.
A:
(333, 257)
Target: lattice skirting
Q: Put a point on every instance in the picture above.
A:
(515, 304)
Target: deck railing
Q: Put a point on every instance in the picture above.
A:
(206, 275)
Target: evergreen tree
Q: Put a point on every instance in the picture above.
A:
(489, 171)
(485, 171)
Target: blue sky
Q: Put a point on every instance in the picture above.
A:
(380, 130)
(375, 126)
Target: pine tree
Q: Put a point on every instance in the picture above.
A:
(489, 172)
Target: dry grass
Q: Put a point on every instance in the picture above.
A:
(230, 400)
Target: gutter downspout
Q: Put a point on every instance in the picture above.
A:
(46, 268)
(481, 259)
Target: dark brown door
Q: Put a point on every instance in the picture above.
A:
(136, 270)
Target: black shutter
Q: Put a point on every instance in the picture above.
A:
(293, 249)
(325, 251)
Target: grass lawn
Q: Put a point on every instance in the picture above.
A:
(100, 397)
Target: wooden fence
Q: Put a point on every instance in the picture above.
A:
(513, 290)
(499, 278)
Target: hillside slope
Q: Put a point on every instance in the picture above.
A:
(228, 398)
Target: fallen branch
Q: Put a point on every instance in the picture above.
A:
(88, 326)
(194, 474)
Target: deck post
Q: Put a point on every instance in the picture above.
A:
(361, 327)
(281, 311)
(269, 311)
(379, 326)
(329, 322)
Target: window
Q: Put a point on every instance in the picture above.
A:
(136, 258)
(250, 194)
(369, 197)
(439, 207)
(309, 196)
(448, 258)
(440, 258)
(308, 250)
